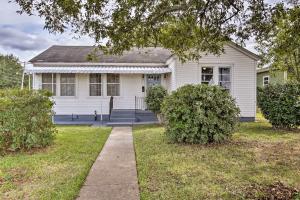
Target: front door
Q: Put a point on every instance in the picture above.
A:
(153, 79)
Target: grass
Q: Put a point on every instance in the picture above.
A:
(256, 156)
(56, 172)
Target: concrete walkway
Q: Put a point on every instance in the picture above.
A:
(113, 175)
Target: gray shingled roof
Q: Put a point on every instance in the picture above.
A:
(78, 54)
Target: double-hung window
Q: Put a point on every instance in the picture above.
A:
(266, 80)
(49, 83)
(113, 84)
(225, 77)
(207, 75)
(95, 85)
(67, 85)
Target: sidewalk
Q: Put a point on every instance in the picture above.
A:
(113, 175)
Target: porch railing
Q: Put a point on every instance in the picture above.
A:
(111, 105)
(140, 103)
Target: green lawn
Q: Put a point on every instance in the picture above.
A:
(56, 172)
(256, 158)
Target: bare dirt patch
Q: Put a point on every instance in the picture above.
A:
(18, 175)
(280, 151)
(276, 191)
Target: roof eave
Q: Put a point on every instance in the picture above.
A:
(95, 64)
(244, 51)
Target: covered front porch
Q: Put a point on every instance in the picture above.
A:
(101, 95)
(126, 117)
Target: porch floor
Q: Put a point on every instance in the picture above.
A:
(119, 117)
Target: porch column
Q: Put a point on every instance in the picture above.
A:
(104, 84)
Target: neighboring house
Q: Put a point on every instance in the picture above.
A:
(265, 77)
(83, 89)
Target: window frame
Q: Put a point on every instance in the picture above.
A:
(230, 77)
(61, 83)
(52, 83)
(157, 79)
(96, 83)
(207, 74)
(268, 76)
(113, 83)
(216, 74)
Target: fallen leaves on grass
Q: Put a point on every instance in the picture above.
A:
(276, 191)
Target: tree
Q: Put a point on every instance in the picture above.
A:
(278, 38)
(185, 27)
(10, 72)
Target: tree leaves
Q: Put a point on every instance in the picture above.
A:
(279, 39)
(184, 27)
(10, 72)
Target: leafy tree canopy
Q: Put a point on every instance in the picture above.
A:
(184, 27)
(10, 72)
(278, 35)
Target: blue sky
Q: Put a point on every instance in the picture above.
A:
(25, 37)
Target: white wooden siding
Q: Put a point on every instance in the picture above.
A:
(172, 76)
(83, 104)
(243, 76)
(243, 70)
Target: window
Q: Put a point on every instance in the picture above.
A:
(224, 77)
(153, 79)
(49, 83)
(113, 84)
(207, 74)
(95, 84)
(266, 80)
(67, 85)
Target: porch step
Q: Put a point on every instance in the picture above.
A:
(124, 116)
(122, 119)
(119, 123)
(130, 116)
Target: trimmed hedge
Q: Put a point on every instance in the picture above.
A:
(200, 114)
(25, 120)
(155, 97)
(280, 104)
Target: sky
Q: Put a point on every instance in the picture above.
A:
(24, 36)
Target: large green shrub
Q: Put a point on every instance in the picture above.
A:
(280, 104)
(155, 97)
(200, 114)
(25, 120)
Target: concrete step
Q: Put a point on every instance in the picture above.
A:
(122, 119)
(120, 123)
(122, 115)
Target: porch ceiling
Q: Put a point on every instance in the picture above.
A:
(101, 69)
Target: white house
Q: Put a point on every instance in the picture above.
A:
(83, 89)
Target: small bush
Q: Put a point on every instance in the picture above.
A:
(25, 120)
(280, 104)
(155, 97)
(200, 114)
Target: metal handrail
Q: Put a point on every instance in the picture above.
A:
(111, 105)
(135, 108)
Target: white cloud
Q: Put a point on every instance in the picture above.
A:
(25, 37)
(15, 39)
